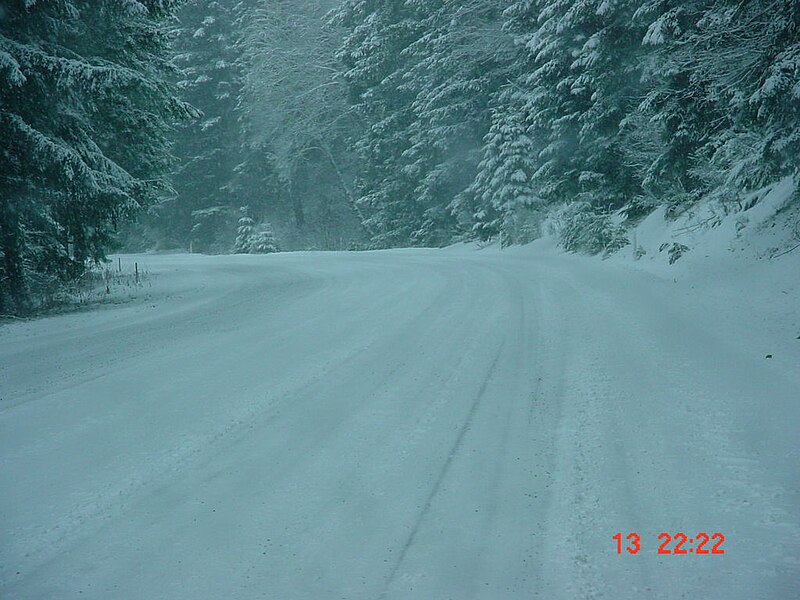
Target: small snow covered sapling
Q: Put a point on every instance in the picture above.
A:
(252, 238)
(244, 233)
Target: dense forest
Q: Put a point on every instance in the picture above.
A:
(262, 125)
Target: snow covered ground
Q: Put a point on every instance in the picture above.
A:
(407, 424)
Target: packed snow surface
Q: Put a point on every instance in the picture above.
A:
(423, 424)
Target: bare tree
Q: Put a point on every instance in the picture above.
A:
(295, 98)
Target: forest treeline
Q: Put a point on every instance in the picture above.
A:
(228, 125)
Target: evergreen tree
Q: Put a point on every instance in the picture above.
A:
(244, 233)
(252, 238)
(208, 149)
(377, 34)
(679, 100)
(750, 54)
(263, 240)
(84, 111)
(502, 189)
(723, 79)
(579, 84)
(460, 62)
(422, 74)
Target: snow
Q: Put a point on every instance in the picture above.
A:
(463, 423)
(712, 234)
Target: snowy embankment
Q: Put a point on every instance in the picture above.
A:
(408, 424)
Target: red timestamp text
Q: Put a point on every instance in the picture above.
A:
(679, 543)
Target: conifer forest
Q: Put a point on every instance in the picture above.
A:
(358, 124)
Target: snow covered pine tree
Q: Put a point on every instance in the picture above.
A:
(84, 113)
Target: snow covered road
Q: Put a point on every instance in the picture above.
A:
(405, 424)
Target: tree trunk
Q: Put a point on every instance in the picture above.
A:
(297, 206)
(13, 285)
(351, 200)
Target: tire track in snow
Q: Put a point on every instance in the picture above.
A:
(90, 514)
(454, 449)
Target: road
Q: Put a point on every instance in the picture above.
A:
(420, 424)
